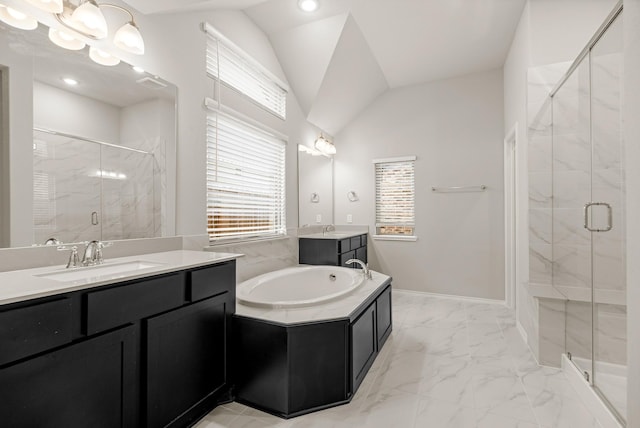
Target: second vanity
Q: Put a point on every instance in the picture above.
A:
(111, 348)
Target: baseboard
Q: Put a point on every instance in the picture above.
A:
(588, 395)
(450, 296)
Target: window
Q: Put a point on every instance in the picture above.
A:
(245, 180)
(395, 196)
(230, 65)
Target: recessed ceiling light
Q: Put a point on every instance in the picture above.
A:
(138, 69)
(308, 5)
(69, 81)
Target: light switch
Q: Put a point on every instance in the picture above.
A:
(349, 218)
(318, 218)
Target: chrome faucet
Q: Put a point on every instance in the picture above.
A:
(328, 228)
(93, 253)
(74, 260)
(365, 267)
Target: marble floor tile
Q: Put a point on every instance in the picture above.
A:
(448, 363)
(438, 413)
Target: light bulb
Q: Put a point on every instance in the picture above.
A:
(17, 19)
(325, 146)
(65, 40)
(69, 81)
(103, 58)
(89, 19)
(128, 38)
(53, 6)
(308, 5)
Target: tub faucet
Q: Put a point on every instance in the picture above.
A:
(365, 267)
(93, 253)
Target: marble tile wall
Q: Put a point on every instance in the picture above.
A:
(575, 152)
(262, 256)
(73, 179)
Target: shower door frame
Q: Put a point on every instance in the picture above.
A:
(585, 54)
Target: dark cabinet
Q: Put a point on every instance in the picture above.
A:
(334, 252)
(87, 384)
(148, 352)
(27, 330)
(383, 316)
(363, 345)
(186, 359)
(293, 369)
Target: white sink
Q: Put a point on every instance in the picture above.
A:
(105, 271)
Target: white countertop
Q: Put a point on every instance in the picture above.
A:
(21, 285)
(335, 309)
(333, 235)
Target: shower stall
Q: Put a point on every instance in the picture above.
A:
(577, 211)
(85, 189)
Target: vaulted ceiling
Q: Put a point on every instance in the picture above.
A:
(343, 56)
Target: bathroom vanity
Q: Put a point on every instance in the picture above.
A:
(146, 348)
(332, 248)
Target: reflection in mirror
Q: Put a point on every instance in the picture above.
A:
(104, 140)
(315, 187)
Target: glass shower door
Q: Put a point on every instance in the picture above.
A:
(571, 242)
(608, 246)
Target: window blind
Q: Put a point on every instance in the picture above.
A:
(245, 180)
(395, 197)
(235, 69)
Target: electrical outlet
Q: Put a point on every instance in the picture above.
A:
(349, 218)
(318, 218)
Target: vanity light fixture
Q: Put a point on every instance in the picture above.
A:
(87, 19)
(103, 58)
(17, 19)
(325, 146)
(308, 5)
(65, 39)
(69, 81)
(138, 69)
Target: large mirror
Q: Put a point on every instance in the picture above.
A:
(315, 188)
(92, 146)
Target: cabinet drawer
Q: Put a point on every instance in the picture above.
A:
(344, 245)
(28, 330)
(355, 242)
(211, 280)
(133, 301)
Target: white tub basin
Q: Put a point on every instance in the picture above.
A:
(299, 286)
(104, 271)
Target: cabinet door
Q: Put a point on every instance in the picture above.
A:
(87, 384)
(363, 345)
(186, 358)
(383, 315)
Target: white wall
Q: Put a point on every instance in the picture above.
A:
(20, 113)
(58, 110)
(455, 128)
(175, 46)
(632, 152)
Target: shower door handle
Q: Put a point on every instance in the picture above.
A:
(609, 216)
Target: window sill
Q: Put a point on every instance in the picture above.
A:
(394, 238)
(212, 245)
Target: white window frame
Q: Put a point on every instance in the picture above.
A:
(228, 64)
(410, 222)
(266, 198)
